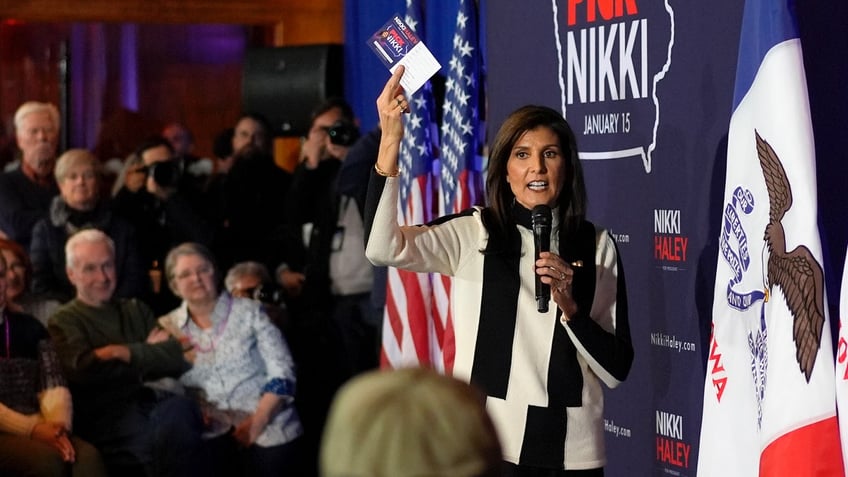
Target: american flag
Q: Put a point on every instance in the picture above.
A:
(460, 178)
(408, 335)
(419, 327)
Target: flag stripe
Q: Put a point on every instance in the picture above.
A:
(809, 450)
(416, 313)
(395, 328)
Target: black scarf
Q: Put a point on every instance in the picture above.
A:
(544, 439)
(73, 220)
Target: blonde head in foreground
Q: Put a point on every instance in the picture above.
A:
(409, 422)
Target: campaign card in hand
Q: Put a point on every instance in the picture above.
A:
(397, 44)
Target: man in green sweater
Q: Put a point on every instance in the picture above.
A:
(108, 349)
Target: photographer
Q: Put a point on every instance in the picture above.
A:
(329, 293)
(160, 201)
(312, 195)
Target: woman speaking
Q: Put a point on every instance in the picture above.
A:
(540, 370)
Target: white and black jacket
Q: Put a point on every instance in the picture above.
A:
(542, 374)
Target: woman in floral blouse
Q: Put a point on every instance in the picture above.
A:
(243, 371)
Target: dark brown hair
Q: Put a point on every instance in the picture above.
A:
(18, 251)
(571, 200)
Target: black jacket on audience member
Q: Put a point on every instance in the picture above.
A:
(254, 197)
(22, 204)
(47, 253)
(160, 226)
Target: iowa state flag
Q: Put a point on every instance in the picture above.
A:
(842, 362)
(769, 406)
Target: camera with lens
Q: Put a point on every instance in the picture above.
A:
(269, 294)
(165, 173)
(343, 133)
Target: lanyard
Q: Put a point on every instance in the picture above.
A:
(217, 330)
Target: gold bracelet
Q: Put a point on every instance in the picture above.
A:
(384, 173)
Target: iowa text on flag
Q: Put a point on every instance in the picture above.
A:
(768, 395)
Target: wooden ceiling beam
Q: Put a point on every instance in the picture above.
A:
(246, 12)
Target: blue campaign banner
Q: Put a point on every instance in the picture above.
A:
(648, 89)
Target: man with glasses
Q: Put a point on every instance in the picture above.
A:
(109, 350)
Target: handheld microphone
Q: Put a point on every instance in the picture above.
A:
(541, 219)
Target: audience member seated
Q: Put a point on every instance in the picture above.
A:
(251, 280)
(78, 207)
(18, 278)
(108, 349)
(242, 369)
(409, 422)
(26, 192)
(163, 208)
(35, 405)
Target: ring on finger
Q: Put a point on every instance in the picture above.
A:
(399, 101)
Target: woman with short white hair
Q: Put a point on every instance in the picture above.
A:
(79, 206)
(242, 372)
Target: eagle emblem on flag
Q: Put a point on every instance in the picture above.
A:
(796, 272)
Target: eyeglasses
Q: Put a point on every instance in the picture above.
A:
(86, 175)
(201, 271)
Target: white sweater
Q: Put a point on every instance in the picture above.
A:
(453, 248)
